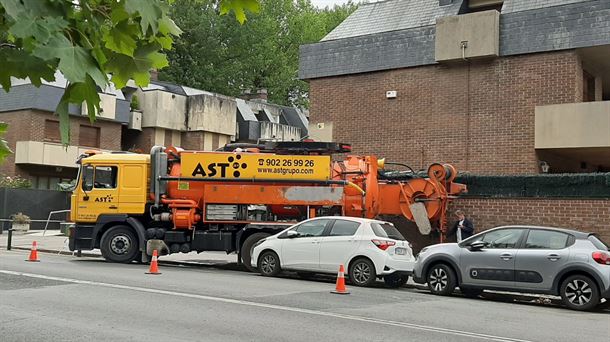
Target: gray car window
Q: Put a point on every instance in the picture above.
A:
(599, 243)
(344, 228)
(502, 238)
(546, 239)
(312, 228)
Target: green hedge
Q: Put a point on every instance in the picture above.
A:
(589, 185)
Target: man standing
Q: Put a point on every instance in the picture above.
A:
(462, 228)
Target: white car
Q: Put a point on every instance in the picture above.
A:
(369, 249)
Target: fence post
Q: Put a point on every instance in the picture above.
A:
(10, 239)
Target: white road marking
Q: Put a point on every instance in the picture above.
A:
(274, 307)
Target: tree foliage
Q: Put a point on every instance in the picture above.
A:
(217, 54)
(87, 40)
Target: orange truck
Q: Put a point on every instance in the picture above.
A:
(176, 201)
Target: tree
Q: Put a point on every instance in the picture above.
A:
(218, 55)
(86, 40)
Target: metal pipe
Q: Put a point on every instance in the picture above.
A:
(251, 180)
(155, 164)
(10, 239)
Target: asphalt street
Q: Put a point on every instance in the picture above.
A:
(64, 298)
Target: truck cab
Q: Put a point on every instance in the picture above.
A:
(110, 184)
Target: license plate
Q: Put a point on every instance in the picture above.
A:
(400, 251)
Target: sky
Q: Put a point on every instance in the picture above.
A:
(331, 3)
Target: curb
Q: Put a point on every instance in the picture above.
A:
(54, 251)
(161, 261)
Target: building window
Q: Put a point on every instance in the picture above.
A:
(89, 136)
(51, 131)
(485, 5)
(168, 138)
(588, 89)
(215, 141)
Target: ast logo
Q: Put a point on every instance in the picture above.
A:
(212, 169)
(107, 198)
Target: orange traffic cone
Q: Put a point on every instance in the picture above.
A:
(154, 266)
(33, 253)
(340, 287)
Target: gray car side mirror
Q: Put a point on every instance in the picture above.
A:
(477, 245)
(292, 234)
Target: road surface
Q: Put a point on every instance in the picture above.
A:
(64, 298)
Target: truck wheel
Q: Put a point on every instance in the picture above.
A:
(362, 272)
(119, 244)
(579, 292)
(395, 280)
(246, 249)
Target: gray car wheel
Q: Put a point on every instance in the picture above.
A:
(441, 280)
(579, 292)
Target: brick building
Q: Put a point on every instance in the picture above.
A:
(167, 114)
(491, 86)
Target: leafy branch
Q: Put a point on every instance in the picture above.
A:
(91, 42)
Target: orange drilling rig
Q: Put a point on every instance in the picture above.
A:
(181, 201)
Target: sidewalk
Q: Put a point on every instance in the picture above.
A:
(54, 242)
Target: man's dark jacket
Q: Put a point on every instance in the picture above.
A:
(467, 232)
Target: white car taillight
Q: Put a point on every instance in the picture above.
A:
(383, 244)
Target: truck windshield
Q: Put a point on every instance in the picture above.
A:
(599, 243)
(386, 230)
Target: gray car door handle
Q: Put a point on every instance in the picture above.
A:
(553, 257)
(506, 256)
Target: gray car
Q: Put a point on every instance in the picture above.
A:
(569, 263)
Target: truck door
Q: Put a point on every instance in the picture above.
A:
(98, 192)
(132, 184)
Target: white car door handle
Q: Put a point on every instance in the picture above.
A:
(506, 256)
(553, 257)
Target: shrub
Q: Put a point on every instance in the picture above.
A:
(14, 182)
(21, 218)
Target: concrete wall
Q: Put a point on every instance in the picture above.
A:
(46, 153)
(478, 32)
(162, 109)
(321, 131)
(215, 114)
(271, 130)
(584, 124)
(37, 204)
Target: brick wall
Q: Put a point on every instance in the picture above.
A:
(591, 215)
(138, 141)
(19, 128)
(478, 116)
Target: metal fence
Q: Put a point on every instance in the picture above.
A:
(37, 204)
(590, 185)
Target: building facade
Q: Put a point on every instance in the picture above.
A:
(494, 87)
(513, 87)
(163, 114)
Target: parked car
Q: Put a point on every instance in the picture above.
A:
(369, 249)
(545, 260)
